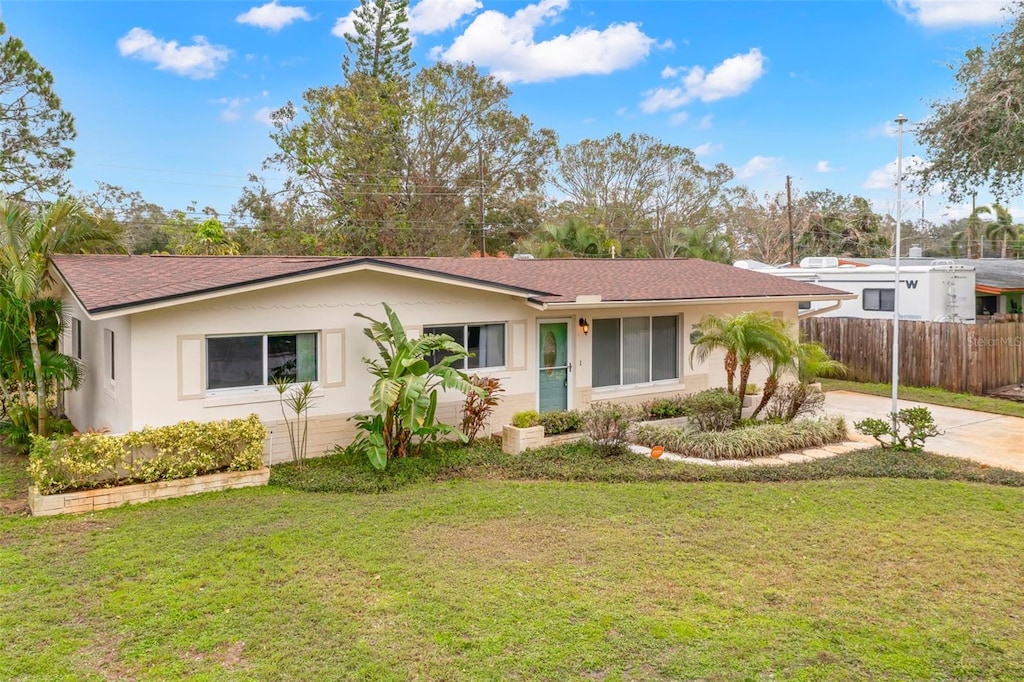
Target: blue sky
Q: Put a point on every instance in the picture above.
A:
(171, 98)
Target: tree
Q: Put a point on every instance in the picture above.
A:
(380, 47)
(207, 238)
(28, 238)
(141, 223)
(1002, 230)
(409, 373)
(707, 242)
(414, 189)
(572, 238)
(760, 225)
(35, 132)
(643, 191)
(746, 338)
(976, 140)
(842, 226)
(971, 234)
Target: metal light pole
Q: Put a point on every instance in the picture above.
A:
(900, 120)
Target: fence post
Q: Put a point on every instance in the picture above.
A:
(974, 368)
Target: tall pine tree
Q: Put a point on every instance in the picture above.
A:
(380, 47)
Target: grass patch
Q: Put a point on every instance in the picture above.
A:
(933, 396)
(497, 580)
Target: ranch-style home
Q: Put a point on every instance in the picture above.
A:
(169, 338)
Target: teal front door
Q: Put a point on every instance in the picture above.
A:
(553, 354)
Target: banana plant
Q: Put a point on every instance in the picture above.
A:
(409, 374)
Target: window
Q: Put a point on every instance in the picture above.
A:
(635, 350)
(76, 338)
(108, 353)
(260, 359)
(486, 343)
(804, 305)
(879, 299)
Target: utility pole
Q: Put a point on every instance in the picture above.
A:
(483, 235)
(789, 210)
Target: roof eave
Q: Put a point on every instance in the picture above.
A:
(573, 305)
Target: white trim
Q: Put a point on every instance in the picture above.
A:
(552, 307)
(215, 392)
(465, 329)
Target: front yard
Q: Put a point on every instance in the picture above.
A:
(470, 578)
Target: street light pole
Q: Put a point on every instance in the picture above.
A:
(900, 120)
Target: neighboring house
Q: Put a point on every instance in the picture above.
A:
(168, 338)
(999, 282)
(935, 291)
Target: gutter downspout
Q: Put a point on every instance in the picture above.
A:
(819, 311)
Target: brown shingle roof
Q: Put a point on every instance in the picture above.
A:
(110, 282)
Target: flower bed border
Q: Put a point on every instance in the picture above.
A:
(515, 440)
(82, 501)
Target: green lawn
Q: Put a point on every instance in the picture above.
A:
(934, 396)
(842, 578)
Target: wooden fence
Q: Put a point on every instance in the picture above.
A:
(965, 358)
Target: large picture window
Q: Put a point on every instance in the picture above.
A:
(879, 299)
(260, 359)
(486, 342)
(635, 350)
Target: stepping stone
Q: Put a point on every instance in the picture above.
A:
(732, 463)
(858, 445)
(838, 449)
(819, 453)
(767, 461)
(793, 458)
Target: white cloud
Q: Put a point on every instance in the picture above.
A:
(344, 26)
(669, 72)
(705, 123)
(273, 16)
(707, 149)
(232, 107)
(506, 45)
(823, 167)
(732, 77)
(883, 129)
(885, 177)
(201, 60)
(952, 13)
(425, 17)
(263, 115)
(431, 16)
(679, 118)
(759, 165)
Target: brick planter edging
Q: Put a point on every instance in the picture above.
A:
(83, 501)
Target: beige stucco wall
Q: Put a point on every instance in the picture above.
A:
(100, 403)
(166, 354)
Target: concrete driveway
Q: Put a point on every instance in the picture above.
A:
(983, 437)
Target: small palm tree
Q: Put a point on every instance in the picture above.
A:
(971, 233)
(27, 240)
(746, 338)
(705, 242)
(572, 238)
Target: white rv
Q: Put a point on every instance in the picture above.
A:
(940, 291)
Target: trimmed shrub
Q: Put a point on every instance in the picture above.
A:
(525, 419)
(712, 410)
(663, 408)
(606, 425)
(182, 450)
(792, 400)
(762, 440)
(917, 421)
(561, 421)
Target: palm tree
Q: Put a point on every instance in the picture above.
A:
(27, 240)
(1002, 230)
(971, 233)
(705, 242)
(572, 238)
(746, 338)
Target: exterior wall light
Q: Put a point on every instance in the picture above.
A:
(585, 326)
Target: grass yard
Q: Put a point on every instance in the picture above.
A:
(474, 578)
(934, 396)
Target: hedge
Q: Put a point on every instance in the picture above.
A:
(759, 440)
(182, 450)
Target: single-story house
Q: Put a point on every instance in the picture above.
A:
(170, 338)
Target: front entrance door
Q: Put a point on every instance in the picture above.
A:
(553, 354)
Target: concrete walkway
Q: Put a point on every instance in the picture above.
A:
(980, 436)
